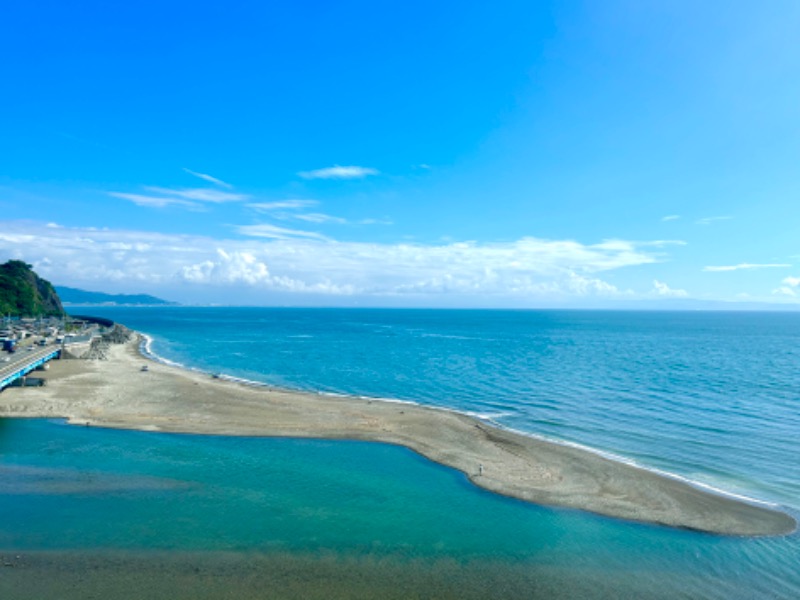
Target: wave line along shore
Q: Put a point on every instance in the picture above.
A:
(117, 393)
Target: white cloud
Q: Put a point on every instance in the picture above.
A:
(709, 220)
(325, 286)
(789, 288)
(153, 201)
(792, 281)
(671, 218)
(288, 210)
(160, 197)
(662, 290)
(660, 243)
(209, 178)
(746, 266)
(318, 218)
(265, 230)
(375, 222)
(282, 205)
(278, 210)
(227, 267)
(286, 260)
(339, 172)
(201, 194)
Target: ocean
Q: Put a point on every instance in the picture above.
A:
(710, 397)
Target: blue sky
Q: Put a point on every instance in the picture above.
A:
(510, 154)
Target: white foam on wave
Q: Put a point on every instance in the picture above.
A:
(394, 401)
(146, 348)
(633, 463)
(243, 381)
(370, 398)
(488, 416)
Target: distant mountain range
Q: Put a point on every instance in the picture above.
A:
(70, 295)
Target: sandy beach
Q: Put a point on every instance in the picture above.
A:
(118, 393)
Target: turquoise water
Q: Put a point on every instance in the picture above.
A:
(709, 396)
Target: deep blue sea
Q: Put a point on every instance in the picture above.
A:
(712, 397)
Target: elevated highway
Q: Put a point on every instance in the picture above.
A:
(24, 361)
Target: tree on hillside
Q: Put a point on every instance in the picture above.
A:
(23, 293)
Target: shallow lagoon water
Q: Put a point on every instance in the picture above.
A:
(304, 518)
(107, 500)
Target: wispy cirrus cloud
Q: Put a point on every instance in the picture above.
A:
(709, 220)
(746, 266)
(339, 172)
(199, 194)
(318, 218)
(191, 198)
(290, 210)
(282, 205)
(209, 178)
(671, 218)
(153, 201)
(266, 230)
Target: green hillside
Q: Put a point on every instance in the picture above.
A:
(25, 294)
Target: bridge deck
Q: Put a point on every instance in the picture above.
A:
(23, 362)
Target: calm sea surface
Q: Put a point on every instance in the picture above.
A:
(712, 397)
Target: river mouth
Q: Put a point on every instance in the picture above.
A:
(96, 512)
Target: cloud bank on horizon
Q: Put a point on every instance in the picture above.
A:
(522, 155)
(526, 270)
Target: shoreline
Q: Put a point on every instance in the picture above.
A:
(172, 398)
(145, 349)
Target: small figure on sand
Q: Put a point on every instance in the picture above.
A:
(480, 468)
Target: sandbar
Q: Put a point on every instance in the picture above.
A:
(117, 393)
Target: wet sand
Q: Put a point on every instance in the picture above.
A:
(117, 393)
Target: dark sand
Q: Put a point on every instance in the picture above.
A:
(322, 575)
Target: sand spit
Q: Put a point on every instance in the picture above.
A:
(118, 393)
